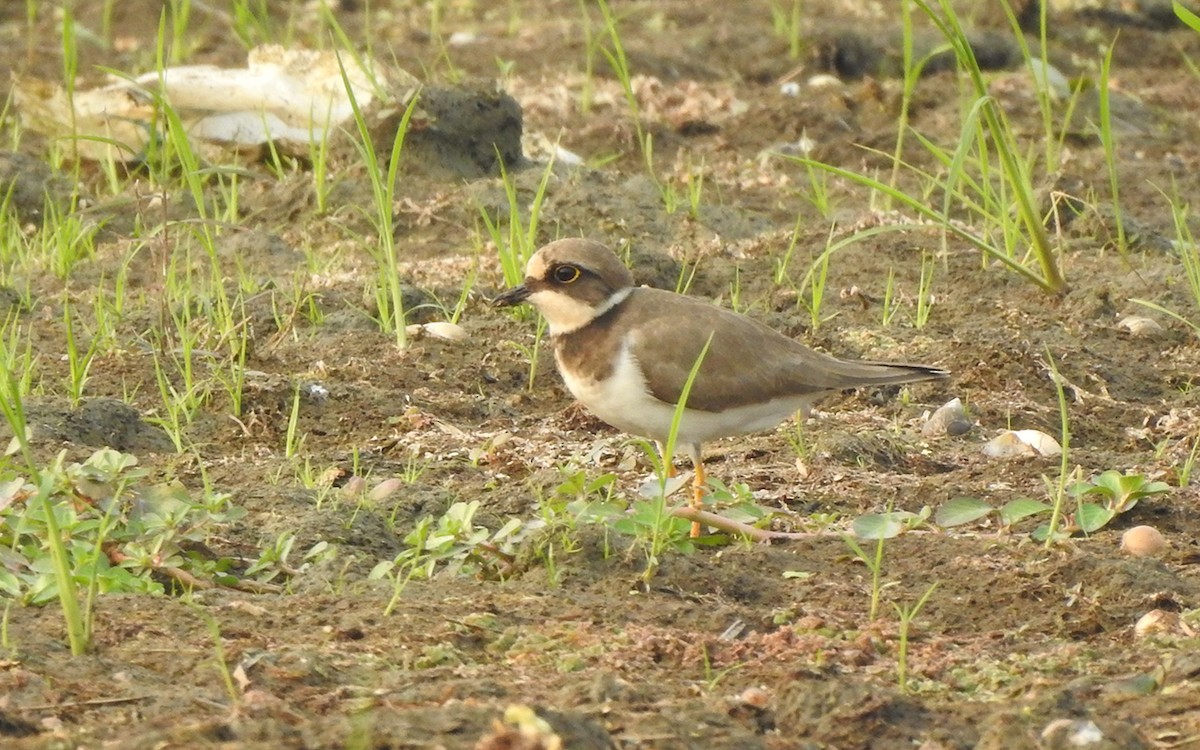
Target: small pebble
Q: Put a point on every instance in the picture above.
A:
(385, 489)
(356, 485)
(949, 419)
(1143, 541)
(755, 697)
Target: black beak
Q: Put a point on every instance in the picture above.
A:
(514, 296)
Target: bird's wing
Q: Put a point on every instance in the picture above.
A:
(746, 362)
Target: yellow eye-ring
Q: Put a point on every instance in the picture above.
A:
(566, 274)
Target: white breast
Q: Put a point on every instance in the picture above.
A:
(623, 401)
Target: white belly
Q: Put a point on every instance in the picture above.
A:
(623, 401)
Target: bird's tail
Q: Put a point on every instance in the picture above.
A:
(859, 374)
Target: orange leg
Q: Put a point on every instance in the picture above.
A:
(698, 486)
(698, 481)
(697, 495)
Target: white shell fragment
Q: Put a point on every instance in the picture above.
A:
(803, 147)
(1161, 622)
(439, 330)
(949, 419)
(316, 392)
(824, 81)
(462, 38)
(1013, 443)
(1082, 733)
(568, 157)
(1139, 325)
(284, 95)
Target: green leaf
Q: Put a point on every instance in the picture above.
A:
(1042, 533)
(881, 525)
(381, 569)
(436, 541)
(508, 529)
(746, 513)
(961, 510)
(477, 537)
(1154, 488)
(10, 584)
(626, 526)
(110, 462)
(1022, 507)
(1114, 484)
(461, 513)
(1091, 517)
(1185, 15)
(654, 488)
(1084, 488)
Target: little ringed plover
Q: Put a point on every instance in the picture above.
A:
(626, 353)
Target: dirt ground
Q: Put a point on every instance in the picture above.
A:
(734, 645)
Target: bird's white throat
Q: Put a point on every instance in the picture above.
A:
(564, 313)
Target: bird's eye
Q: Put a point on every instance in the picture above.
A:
(566, 274)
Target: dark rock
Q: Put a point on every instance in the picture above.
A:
(463, 131)
(27, 183)
(96, 423)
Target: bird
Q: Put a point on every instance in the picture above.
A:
(626, 353)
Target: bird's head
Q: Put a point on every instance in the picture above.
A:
(571, 282)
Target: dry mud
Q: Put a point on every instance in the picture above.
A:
(734, 646)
